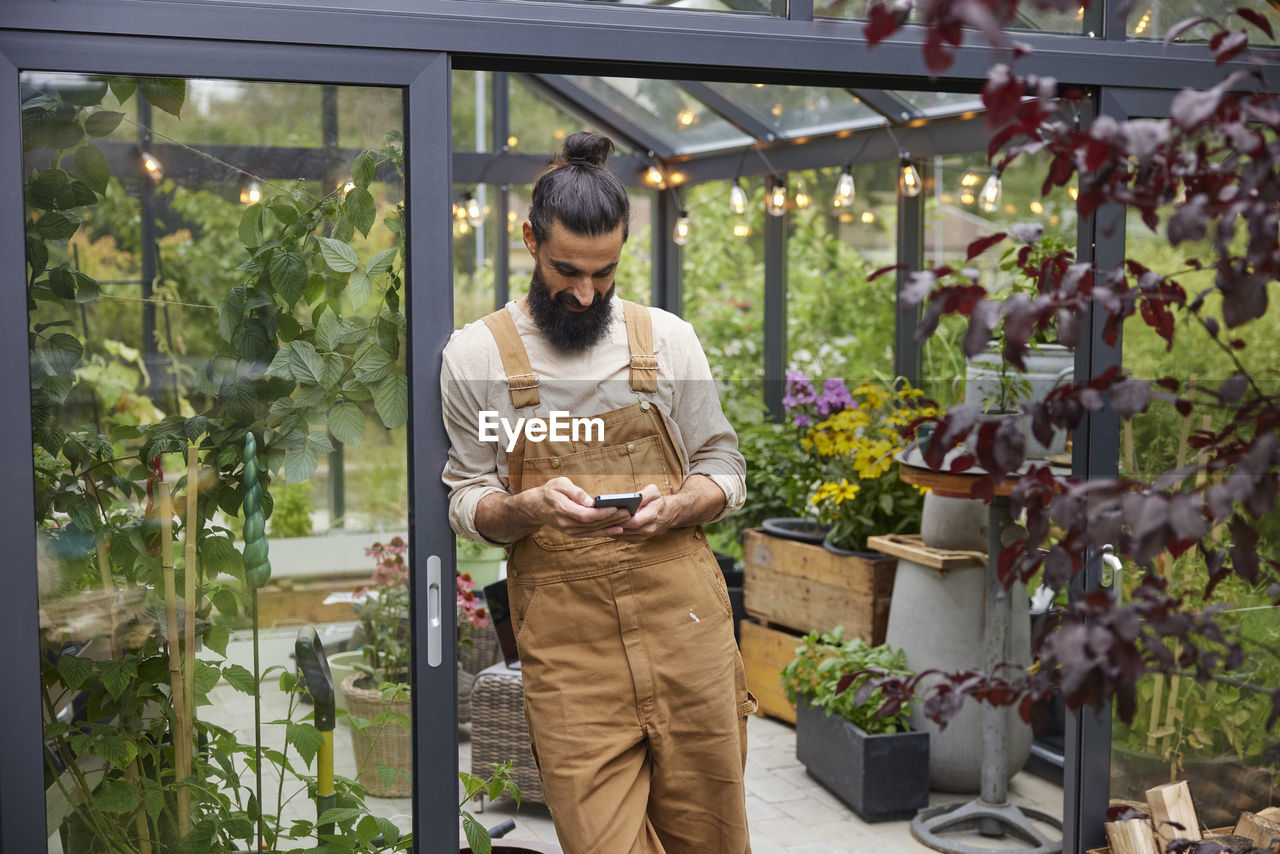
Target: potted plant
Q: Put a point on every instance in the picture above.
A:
(479, 562)
(852, 438)
(866, 756)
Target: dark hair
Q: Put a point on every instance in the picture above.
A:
(579, 190)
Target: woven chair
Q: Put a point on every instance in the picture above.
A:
(472, 658)
(499, 732)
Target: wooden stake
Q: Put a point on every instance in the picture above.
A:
(1130, 461)
(181, 748)
(1186, 425)
(192, 530)
(1263, 832)
(1171, 804)
(1153, 725)
(1131, 837)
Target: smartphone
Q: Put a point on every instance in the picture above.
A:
(629, 501)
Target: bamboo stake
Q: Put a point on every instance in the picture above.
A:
(1130, 460)
(189, 612)
(181, 750)
(1186, 425)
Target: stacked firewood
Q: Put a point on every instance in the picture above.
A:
(1170, 816)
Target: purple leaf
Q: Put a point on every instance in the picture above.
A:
(1186, 516)
(1233, 388)
(1130, 397)
(1257, 19)
(1028, 232)
(1184, 25)
(1244, 295)
(918, 286)
(981, 321)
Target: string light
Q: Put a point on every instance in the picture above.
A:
(680, 234)
(843, 197)
(741, 229)
(475, 216)
(1073, 192)
(251, 194)
(989, 198)
(1036, 207)
(967, 197)
(686, 117)
(910, 178)
(868, 217)
(1142, 24)
(345, 187)
(152, 167)
(653, 175)
(737, 198)
(802, 195)
(777, 201)
(512, 141)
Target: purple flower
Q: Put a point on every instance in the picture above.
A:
(803, 420)
(799, 391)
(835, 398)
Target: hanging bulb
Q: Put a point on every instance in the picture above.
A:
(152, 167)
(251, 194)
(680, 234)
(989, 198)
(802, 195)
(655, 177)
(910, 180)
(843, 197)
(475, 216)
(777, 202)
(737, 198)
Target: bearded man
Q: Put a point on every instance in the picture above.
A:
(634, 689)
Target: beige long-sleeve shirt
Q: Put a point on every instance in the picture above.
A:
(473, 381)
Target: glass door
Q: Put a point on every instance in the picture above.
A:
(234, 650)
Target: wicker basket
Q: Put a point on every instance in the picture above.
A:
(499, 732)
(387, 744)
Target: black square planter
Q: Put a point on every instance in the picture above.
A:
(879, 777)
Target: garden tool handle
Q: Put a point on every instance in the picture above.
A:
(309, 652)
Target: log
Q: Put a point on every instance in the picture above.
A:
(1271, 814)
(1228, 843)
(1262, 832)
(1173, 815)
(1131, 837)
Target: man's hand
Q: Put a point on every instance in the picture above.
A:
(698, 501)
(559, 503)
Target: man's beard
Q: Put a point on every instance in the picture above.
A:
(567, 329)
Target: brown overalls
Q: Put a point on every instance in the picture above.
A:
(634, 688)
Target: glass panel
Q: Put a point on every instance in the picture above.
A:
(941, 103)
(665, 110)
(759, 7)
(1153, 20)
(539, 125)
(798, 110)
(956, 214)
(1212, 735)
(212, 260)
(1028, 18)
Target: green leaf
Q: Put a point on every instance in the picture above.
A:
(307, 740)
(63, 352)
(372, 364)
(360, 289)
(334, 815)
(391, 400)
(62, 282)
(45, 188)
(362, 171)
(282, 365)
(218, 554)
(83, 92)
(387, 774)
(91, 167)
(226, 602)
(390, 833)
(381, 262)
(477, 835)
(284, 212)
(56, 226)
(359, 210)
(116, 749)
(152, 797)
(166, 93)
(117, 673)
(239, 396)
(115, 796)
(239, 677)
(122, 87)
(366, 829)
(37, 254)
(201, 839)
(340, 257)
(334, 368)
(216, 638)
(306, 363)
(87, 289)
(289, 327)
(300, 463)
(77, 194)
(102, 122)
(327, 331)
(346, 423)
(289, 276)
(206, 678)
(251, 226)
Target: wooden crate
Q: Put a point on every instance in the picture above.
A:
(806, 587)
(765, 651)
(1208, 834)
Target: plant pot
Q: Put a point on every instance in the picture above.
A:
(386, 744)
(484, 568)
(836, 550)
(342, 665)
(1048, 366)
(792, 528)
(958, 524)
(879, 777)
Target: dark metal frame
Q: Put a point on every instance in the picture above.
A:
(289, 39)
(425, 79)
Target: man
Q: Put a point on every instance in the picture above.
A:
(634, 689)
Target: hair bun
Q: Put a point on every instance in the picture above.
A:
(585, 149)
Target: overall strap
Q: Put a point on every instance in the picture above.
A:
(522, 383)
(644, 364)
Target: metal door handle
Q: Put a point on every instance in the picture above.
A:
(434, 617)
(1112, 570)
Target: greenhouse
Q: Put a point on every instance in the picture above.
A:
(1011, 264)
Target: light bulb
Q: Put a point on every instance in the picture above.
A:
(152, 167)
(741, 229)
(843, 197)
(251, 194)
(868, 217)
(654, 176)
(737, 198)
(475, 216)
(680, 234)
(777, 204)
(989, 198)
(1073, 192)
(802, 196)
(967, 197)
(686, 117)
(910, 181)
(1036, 207)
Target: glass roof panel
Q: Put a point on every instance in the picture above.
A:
(798, 110)
(935, 103)
(666, 111)
(536, 123)
(1028, 18)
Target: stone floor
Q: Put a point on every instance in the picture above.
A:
(788, 811)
